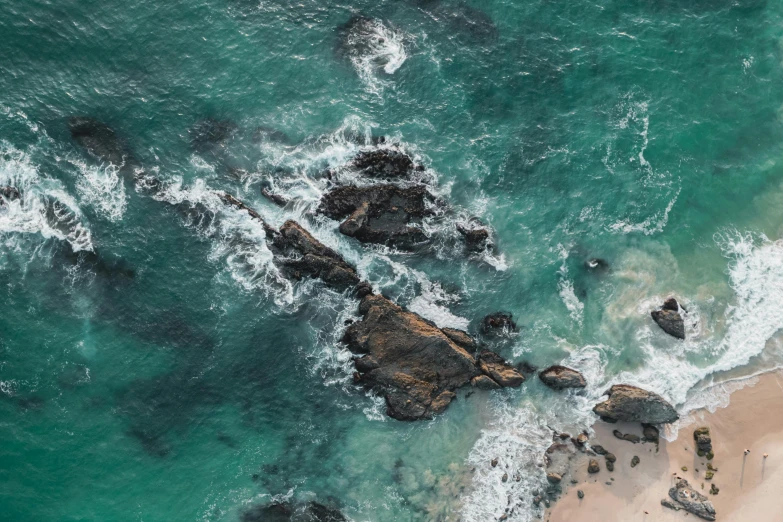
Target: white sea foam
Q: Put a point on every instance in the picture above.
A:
(44, 207)
(102, 188)
(238, 239)
(375, 48)
(566, 289)
(430, 304)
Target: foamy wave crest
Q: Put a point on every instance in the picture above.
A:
(44, 206)
(566, 289)
(374, 47)
(430, 304)
(237, 238)
(102, 188)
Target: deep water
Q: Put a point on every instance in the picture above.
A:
(176, 375)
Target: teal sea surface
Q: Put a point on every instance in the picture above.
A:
(180, 377)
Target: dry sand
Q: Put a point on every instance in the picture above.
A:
(751, 488)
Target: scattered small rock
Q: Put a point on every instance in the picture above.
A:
(634, 461)
(505, 477)
(684, 468)
(610, 457)
(494, 462)
(703, 441)
(610, 466)
(580, 494)
(593, 466)
(598, 449)
(714, 490)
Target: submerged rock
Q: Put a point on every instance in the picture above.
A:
(631, 404)
(498, 322)
(9, 193)
(560, 378)
(285, 512)
(691, 500)
(211, 132)
(669, 318)
(99, 139)
(382, 214)
(419, 366)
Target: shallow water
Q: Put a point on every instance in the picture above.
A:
(184, 379)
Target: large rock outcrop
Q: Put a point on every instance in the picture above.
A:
(631, 404)
(99, 139)
(669, 318)
(414, 364)
(560, 378)
(382, 214)
(687, 498)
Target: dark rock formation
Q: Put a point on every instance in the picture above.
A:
(384, 164)
(665, 502)
(382, 214)
(498, 322)
(669, 319)
(211, 132)
(476, 239)
(298, 253)
(419, 366)
(593, 467)
(691, 500)
(703, 441)
(650, 433)
(284, 512)
(8, 193)
(560, 378)
(631, 404)
(483, 382)
(277, 199)
(99, 139)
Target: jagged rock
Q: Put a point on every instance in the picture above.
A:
(560, 378)
(650, 433)
(285, 512)
(691, 500)
(482, 382)
(631, 404)
(384, 163)
(382, 214)
(703, 440)
(501, 372)
(363, 289)
(498, 322)
(669, 318)
(593, 467)
(598, 449)
(419, 366)
(476, 239)
(635, 461)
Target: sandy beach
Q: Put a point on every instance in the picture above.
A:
(750, 486)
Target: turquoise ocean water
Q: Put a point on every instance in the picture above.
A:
(646, 133)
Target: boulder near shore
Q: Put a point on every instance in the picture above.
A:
(561, 378)
(631, 404)
(670, 319)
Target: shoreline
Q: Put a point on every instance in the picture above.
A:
(748, 484)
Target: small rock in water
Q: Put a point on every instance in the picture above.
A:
(669, 318)
(593, 466)
(494, 462)
(580, 494)
(505, 477)
(634, 461)
(498, 322)
(692, 501)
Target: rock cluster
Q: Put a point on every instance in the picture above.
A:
(498, 322)
(561, 378)
(416, 365)
(631, 404)
(703, 442)
(670, 319)
(683, 496)
(386, 163)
